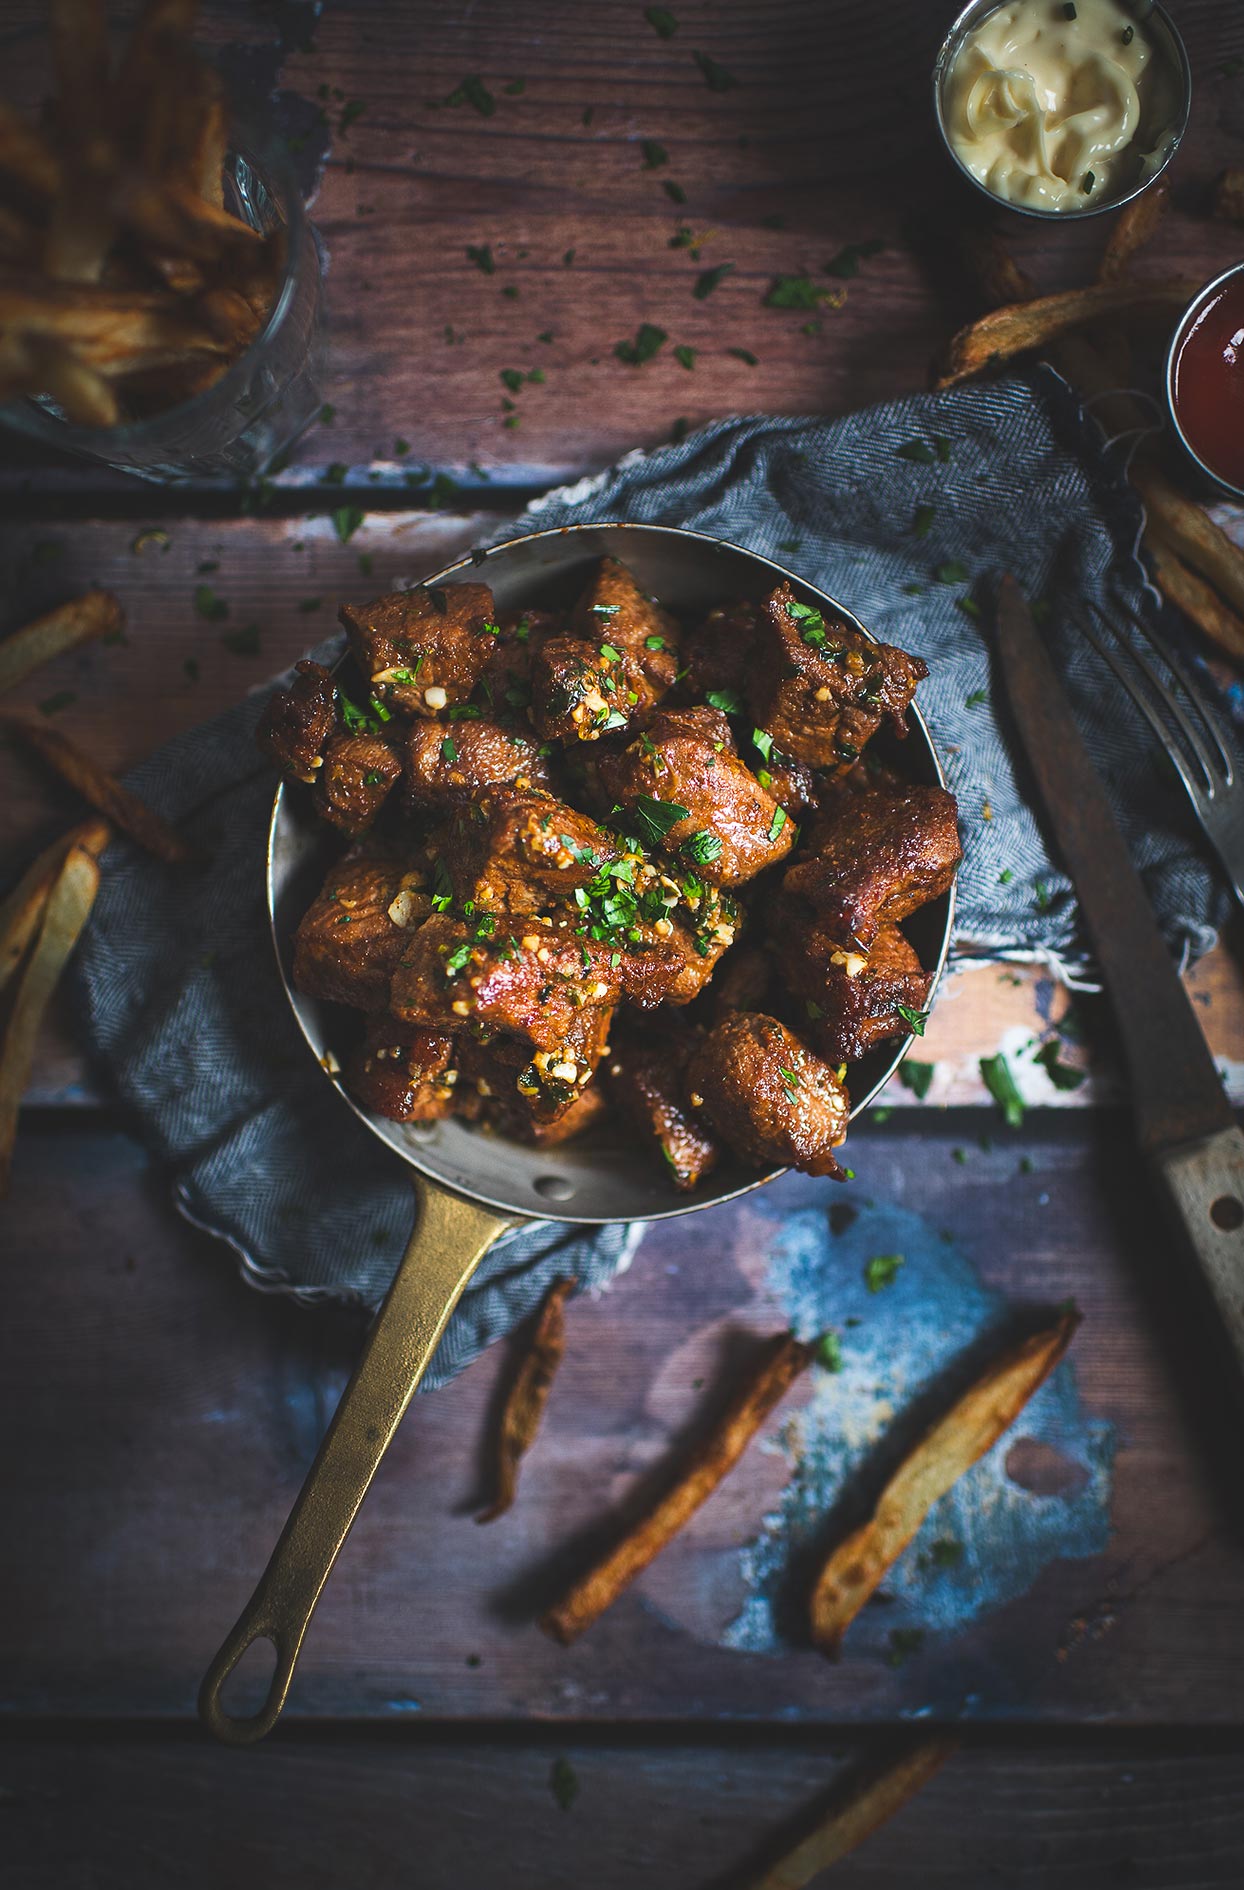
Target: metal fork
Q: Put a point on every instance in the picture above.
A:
(1198, 748)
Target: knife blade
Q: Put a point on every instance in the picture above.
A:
(1185, 1123)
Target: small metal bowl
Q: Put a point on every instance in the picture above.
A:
(1211, 480)
(1168, 45)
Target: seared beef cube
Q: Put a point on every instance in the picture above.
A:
(729, 829)
(768, 1096)
(351, 938)
(531, 981)
(717, 653)
(793, 785)
(354, 783)
(646, 1081)
(403, 1072)
(506, 682)
(295, 727)
(456, 763)
(518, 852)
(887, 853)
(820, 688)
(423, 650)
(744, 982)
(614, 608)
(511, 1114)
(851, 998)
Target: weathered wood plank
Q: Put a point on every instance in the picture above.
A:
(156, 1420)
(139, 1813)
(828, 131)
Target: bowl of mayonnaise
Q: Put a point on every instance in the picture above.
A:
(1062, 108)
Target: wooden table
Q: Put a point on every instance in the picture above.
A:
(158, 1418)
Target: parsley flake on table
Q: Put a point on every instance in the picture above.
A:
(515, 88)
(969, 607)
(346, 521)
(471, 91)
(951, 572)
(655, 155)
(802, 292)
(1062, 1075)
(918, 450)
(846, 264)
(709, 279)
(998, 1080)
(662, 21)
(649, 340)
(684, 356)
(882, 1270)
(563, 1783)
(976, 698)
(481, 255)
(351, 111)
(745, 355)
(211, 608)
(716, 77)
(673, 191)
(511, 378)
(917, 1077)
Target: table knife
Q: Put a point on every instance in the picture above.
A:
(1186, 1126)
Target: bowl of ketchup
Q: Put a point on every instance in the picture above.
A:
(1205, 380)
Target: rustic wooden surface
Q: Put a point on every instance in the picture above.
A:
(157, 1418)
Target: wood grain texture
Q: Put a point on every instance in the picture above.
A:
(828, 130)
(328, 1813)
(156, 1420)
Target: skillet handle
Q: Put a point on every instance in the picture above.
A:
(450, 1239)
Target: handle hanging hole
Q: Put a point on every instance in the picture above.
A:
(245, 1692)
(1227, 1213)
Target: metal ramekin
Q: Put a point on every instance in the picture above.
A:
(1167, 42)
(1215, 481)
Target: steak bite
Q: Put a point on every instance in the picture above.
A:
(511, 1113)
(531, 982)
(403, 1072)
(851, 998)
(771, 1099)
(355, 780)
(422, 651)
(619, 658)
(613, 606)
(352, 936)
(519, 852)
(454, 764)
(646, 1081)
(717, 652)
(821, 688)
(295, 727)
(685, 765)
(888, 852)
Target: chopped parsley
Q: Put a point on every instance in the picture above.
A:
(662, 21)
(917, 1077)
(471, 91)
(846, 264)
(458, 959)
(811, 624)
(951, 572)
(728, 701)
(918, 450)
(563, 1783)
(799, 292)
(649, 340)
(922, 523)
(998, 1080)
(745, 355)
(777, 823)
(481, 255)
(449, 750)
(790, 1082)
(829, 1352)
(673, 191)
(357, 720)
(684, 356)
(702, 847)
(511, 378)
(976, 698)
(764, 742)
(654, 643)
(882, 1270)
(211, 608)
(1062, 1075)
(716, 77)
(657, 818)
(708, 280)
(655, 155)
(346, 521)
(914, 1020)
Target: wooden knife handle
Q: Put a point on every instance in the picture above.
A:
(1204, 1185)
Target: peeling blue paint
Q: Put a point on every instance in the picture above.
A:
(910, 1334)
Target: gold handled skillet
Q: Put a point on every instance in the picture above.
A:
(471, 1188)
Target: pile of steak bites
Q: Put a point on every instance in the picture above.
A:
(563, 825)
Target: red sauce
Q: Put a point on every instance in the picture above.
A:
(1208, 382)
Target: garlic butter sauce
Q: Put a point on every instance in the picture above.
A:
(1055, 105)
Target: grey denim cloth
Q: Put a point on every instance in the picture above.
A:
(182, 997)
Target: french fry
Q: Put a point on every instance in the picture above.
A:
(853, 1814)
(856, 1568)
(1192, 533)
(1006, 332)
(1135, 224)
(22, 910)
(94, 614)
(528, 1395)
(1229, 196)
(104, 792)
(107, 327)
(80, 389)
(1195, 598)
(769, 1379)
(67, 910)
